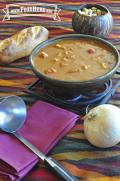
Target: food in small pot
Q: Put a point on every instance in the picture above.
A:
(93, 11)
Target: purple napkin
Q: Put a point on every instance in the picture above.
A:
(45, 125)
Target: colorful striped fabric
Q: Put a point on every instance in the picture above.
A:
(85, 161)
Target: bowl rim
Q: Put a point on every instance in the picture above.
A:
(72, 36)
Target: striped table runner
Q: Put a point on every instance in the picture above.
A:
(73, 151)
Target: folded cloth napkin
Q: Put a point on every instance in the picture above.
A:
(45, 125)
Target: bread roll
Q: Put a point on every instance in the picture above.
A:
(21, 44)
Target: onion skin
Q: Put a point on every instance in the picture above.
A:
(102, 126)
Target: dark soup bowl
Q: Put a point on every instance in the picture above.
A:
(69, 65)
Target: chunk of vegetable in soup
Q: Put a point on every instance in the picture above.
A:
(76, 60)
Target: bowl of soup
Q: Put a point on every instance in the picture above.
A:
(73, 64)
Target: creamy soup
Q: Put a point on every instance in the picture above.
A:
(76, 60)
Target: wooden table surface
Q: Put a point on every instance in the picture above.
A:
(73, 151)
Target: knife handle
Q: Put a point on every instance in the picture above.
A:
(59, 169)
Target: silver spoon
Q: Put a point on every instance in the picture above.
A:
(12, 117)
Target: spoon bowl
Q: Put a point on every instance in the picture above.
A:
(12, 113)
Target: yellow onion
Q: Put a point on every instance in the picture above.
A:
(102, 125)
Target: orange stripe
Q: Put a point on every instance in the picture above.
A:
(62, 31)
(81, 172)
(16, 83)
(112, 36)
(89, 175)
(78, 127)
(116, 17)
(82, 2)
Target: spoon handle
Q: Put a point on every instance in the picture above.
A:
(49, 162)
(30, 146)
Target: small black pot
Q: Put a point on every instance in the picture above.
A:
(99, 26)
(71, 89)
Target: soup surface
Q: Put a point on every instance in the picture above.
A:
(75, 59)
